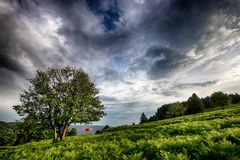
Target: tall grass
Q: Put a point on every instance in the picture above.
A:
(209, 135)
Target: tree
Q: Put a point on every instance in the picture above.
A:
(58, 97)
(31, 130)
(98, 132)
(235, 98)
(8, 134)
(220, 99)
(153, 118)
(194, 105)
(72, 132)
(207, 102)
(161, 112)
(175, 110)
(143, 118)
(106, 127)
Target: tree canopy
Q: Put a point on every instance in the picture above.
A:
(58, 97)
(143, 118)
(221, 99)
(194, 105)
(235, 98)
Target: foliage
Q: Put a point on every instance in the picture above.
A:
(220, 99)
(106, 127)
(30, 130)
(161, 112)
(143, 118)
(210, 135)
(168, 111)
(153, 118)
(20, 132)
(72, 132)
(175, 110)
(58, 97)
(207, 102)
(98, 132)
(8, 136)
(194, 105)
(235, 98)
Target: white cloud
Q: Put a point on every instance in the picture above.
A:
(75, 36)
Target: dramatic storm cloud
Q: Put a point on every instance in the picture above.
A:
(140, 53)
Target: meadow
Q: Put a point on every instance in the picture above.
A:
(213, 134)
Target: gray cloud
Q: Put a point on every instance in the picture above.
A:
(108, 98)
(160, 62)
(198, 84)
(170, 92)
(181, 23)
(139, 54)
(165, 61)
(87, 38)
(8, 49)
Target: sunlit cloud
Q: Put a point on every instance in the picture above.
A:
(141, 54)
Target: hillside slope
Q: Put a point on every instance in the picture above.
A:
(209, 135)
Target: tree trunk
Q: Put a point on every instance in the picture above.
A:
(64, 132)
(55, 134)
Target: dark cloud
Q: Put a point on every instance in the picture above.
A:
(171, 92)
(21, 51)
(8, 58)
(8, 80)
(198, 84)
(166, 61)
(161, 61)
(182, 23)
(85, 36)
(110, 13)
(108, 98)
(116, 39)
(177, 88)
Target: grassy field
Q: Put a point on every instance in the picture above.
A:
(210, 135)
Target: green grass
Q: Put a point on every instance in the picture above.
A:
(210, 135)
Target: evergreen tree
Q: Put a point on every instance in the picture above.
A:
(153, 118)
(207, 102)
(161, 112)
(194, 105)
(143, 118)
(106, 127)
(235, 98)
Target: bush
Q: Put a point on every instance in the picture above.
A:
(72, 132)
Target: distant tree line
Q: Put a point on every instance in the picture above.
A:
(193, 105)
(103, 129)
(20, 132)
